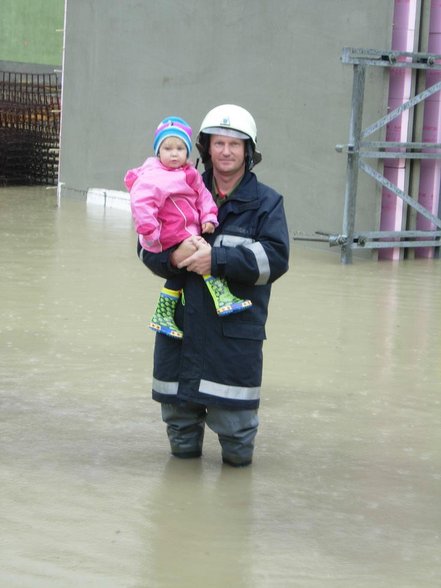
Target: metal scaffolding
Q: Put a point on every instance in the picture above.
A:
(359, 150)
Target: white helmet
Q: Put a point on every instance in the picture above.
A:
(230, 120)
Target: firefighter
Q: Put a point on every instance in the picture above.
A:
(212, 376)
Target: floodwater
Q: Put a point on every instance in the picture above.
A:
(344, 491)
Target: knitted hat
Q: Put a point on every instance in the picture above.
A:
(172, 126)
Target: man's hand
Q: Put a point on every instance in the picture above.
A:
(200, 261)
(185, 250)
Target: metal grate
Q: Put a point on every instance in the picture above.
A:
(30, 108)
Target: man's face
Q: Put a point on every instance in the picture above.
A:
(227, 154)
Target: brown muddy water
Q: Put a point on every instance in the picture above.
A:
(345, 488)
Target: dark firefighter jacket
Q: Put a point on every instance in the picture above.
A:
(219, 360)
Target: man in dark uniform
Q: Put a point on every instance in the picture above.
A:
(213, 375)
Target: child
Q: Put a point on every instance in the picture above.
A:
(169, 203)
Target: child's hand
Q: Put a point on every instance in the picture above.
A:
(207, 228)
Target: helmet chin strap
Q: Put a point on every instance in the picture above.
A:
(202, 146)
(249, 156)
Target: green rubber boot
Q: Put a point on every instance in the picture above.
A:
(224, 301)
(163, 320)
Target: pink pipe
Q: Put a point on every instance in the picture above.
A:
(400, 83)
(430, 173)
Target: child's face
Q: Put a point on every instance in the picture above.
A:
(173, 152)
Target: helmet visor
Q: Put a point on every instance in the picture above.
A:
(225, 132)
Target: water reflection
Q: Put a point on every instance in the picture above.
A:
(200, 526)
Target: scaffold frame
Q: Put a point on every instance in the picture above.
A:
(358, 149)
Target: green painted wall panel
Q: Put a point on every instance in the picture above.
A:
(28, 31)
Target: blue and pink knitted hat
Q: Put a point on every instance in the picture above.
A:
(172, 126)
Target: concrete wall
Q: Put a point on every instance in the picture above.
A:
(31, 33)
(128, 64)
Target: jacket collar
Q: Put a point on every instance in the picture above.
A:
(245, 191)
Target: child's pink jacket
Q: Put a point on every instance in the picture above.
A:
(168, 205)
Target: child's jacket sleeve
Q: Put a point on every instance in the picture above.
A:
(146, 199)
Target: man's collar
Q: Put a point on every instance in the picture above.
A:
(224, 195)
